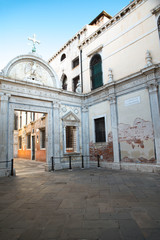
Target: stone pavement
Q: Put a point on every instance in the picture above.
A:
(91, 204)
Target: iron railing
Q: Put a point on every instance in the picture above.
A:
(74, 160)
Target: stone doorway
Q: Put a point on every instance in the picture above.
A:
(34, 141)
(33, 148)
(30, 135)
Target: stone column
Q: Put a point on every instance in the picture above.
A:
(85, 134)
(4, 104)
(114, 124)
(56, 135)
(153, 95)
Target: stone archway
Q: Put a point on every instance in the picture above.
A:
(27, 83)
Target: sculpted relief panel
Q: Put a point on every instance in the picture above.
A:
(31, 71)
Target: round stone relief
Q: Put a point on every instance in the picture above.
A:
(64, 109)
(76, 111)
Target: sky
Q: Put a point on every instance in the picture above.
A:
(53, 21)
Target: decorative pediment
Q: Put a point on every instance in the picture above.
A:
(70, 117)
(32, 69)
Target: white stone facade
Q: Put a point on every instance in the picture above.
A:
(127, 101)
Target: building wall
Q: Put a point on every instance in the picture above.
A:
(136, 135)
(122, 43)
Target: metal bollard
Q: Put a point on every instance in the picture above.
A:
(70, 164)
(82, 161)
(98, 162)
(52, 163)
(12, 167)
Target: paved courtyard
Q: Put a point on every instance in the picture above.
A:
(92, 204)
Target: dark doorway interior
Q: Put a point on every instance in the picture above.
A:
(33, 147)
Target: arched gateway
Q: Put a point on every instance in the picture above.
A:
(29, 84)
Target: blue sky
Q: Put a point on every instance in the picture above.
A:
(53, 21)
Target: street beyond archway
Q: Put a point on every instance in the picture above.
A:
(90, 204)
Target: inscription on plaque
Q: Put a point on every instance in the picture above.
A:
(132, 101)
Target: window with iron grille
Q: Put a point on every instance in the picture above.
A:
(20, 142)
(71, 139)
(96, 71)
(28, 141)
(100, 135)
(75, 62)
(74, 83)
(42, 136)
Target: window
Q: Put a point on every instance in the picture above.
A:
(71, 133)
(33, 116)
(96, 71)
(75, 62)
(64, 82)
(63, 57)
(71, 139)
(100, 135)
(15, 121)
(42, 136)
(74, 83)
(20, 123)
(28, 141)
(20, 142)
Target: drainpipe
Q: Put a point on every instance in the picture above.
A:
(81, 70)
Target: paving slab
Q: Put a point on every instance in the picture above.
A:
(89, 204)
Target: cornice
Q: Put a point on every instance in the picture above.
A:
(133, 82)
(68, 43)
(156, 9)
(119, 16)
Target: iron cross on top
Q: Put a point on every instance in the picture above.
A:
(34, 42)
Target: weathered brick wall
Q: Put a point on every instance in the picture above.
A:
(136, 138)
(104, 149)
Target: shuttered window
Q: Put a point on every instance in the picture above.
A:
(96, 71)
